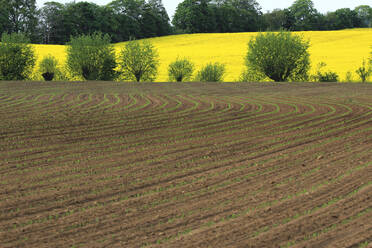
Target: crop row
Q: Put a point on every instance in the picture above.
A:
(236, 141)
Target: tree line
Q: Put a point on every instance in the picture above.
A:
(55, 23)
(199, 16)
(123, 20)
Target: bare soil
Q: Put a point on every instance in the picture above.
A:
(103, 164)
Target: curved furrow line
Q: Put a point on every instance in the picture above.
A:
(355, 234)
(29, 108)
(106, 103)
(185, 168)
(30, 104)
(360, 219)
(11, 99)
(180, 114)
(42, 128)
(101, 223)
(313, 220)
(194, 201)
(20, 118)
(15, 100)
(21, 102)
(67, 99)
(3, 96)
(266, 172)
(39, 107)
(233, 198)
(248, 222)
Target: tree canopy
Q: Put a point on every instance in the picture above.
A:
(123, 20)
(55, 23)
(17, 57)
(91, 57)
(202, 16)
(280, 56)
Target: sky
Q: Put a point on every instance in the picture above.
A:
(322, 6)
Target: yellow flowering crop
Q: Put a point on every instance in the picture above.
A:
(58, 51)
(342, 51)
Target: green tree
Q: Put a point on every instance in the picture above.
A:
(19, 16)
(280, 56)
(139, 61)
(212, 72)
(58, 22)
(17, 58)
(4, 17)
(154, 20)
(180, 70)
(331, 20)
(203, 16)
(128, 13)
(275, 20)
(247, 15)
(304, 14)
(118, 24)
(140, 18)
(236, 15)
(364, 71)
(364, 13)
(81, 18)
(51, 25)
(341, 19)
(346, 18)
(224, 14)
(122, 19)
(194, 16)
(91, 57)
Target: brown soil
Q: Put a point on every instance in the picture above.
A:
(101, 164)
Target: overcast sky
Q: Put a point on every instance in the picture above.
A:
(322, 6)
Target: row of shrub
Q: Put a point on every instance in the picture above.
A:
(275, 57)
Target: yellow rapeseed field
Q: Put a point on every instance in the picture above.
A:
(342, 51)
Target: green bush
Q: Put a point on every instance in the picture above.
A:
(180, 70)
(212, 72)
(280, 56)
(328, 76)
(348, 77)
(91, 57)
(48, 68)
(363, 71)
(139, 61)
(324, 76)
(249, 75)
(17, 57)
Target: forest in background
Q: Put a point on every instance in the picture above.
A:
(123, 20)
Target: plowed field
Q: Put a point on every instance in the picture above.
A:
(100, 164)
